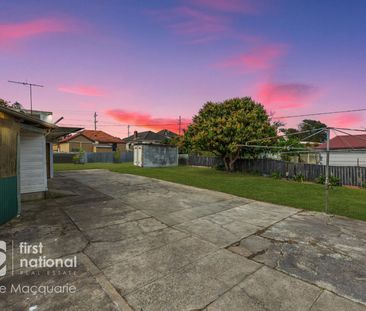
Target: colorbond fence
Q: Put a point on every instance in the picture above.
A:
(93, 157)
(348, 175)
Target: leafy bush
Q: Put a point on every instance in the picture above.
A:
(320, 180)
(333, 180)
(116, 156)
(220, 166)
(276, 175)
(299, 177)
(364, 185)
(79, 158)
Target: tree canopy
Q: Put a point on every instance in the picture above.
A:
(222, 127)
(310, 127)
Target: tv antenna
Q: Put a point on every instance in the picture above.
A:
(30, 90)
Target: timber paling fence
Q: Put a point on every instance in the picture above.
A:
(348, 175)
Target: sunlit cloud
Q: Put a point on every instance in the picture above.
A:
(343, 120)
(12, 33)
(285, 95)
(146, 120)
(260, 58)
(84, 90)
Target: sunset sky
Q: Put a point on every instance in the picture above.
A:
(145, 63)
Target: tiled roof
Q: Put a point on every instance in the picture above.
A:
(146, 136)
(346, 142)
(167, 133)
(99, 136)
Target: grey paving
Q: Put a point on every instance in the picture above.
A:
(145, 244)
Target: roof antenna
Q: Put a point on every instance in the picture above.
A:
(30, 90)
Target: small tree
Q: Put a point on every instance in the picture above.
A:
(222, 127)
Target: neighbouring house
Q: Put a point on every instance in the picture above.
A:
(154, 155)
(25, 161)
(345, 150)
(91, 141)
(168, 134)
(148, 137)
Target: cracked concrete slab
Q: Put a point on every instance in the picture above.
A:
(104, 214)
(267, 289)
(160, 246)
(330, 302)
(122, 231)
(88, 290)
(104, 254)
(195, 285)
(135, 272)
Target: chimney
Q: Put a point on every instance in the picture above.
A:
(135, 134)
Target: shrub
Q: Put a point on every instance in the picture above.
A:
(79, 157)
(299, 177)
(276, 175)
(320, 180)
(220, 166)
(116, 156)
(364, 185)
(333, 180)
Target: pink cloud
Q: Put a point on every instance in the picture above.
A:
(200, 27)
(261, 58)
(343, 120)
(228, 5)
(13, 32)
(285, 95)
(84, 90)
(147, 121)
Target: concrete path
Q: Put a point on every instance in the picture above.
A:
(144, 244)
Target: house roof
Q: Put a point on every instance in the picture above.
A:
(167, 133)
(62, 131)
(99, 136)
(146, 136)
(346, 142)
(26, 118)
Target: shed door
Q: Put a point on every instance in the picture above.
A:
(33, 167)
(137, 155)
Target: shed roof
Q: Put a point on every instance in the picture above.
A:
(26, 118)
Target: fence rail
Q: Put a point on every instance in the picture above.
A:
(348, 175)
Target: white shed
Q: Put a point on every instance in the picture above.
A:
(155, 155)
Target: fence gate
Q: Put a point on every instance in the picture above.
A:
(9, 139)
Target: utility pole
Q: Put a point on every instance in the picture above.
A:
(327, 172)
(95, 121)
(180, 124)
(128, 130)
(30, 91)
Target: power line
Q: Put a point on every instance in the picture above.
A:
(319, 113)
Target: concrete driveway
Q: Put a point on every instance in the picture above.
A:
(144, 244)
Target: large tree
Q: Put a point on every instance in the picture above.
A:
(309, 127)
(222, 127)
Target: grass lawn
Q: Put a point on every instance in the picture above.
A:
(343, 201)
